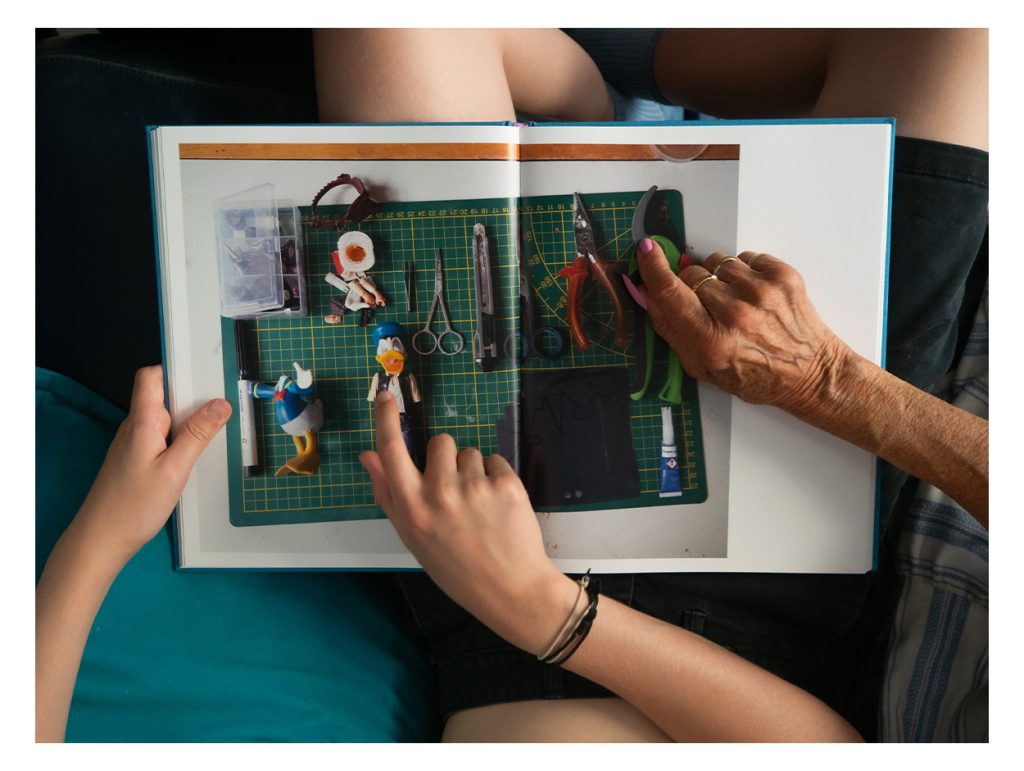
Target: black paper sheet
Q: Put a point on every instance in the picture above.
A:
(577, 446)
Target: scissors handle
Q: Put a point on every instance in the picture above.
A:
(449, 341)
(534, 346)
(431, 338)
(454, 347)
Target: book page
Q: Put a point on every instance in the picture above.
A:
(779, 496)
(789, 497)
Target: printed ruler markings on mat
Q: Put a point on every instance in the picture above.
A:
(341, 357)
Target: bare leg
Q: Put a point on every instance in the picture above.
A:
(934, 81)
(748, 73)
(573, 720)
(455, 75)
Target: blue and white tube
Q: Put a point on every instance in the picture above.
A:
(669, 457)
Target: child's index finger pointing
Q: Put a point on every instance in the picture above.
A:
(403, 477)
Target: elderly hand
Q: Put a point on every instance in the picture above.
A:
(470, 524)
(142, 477)
(751, 330)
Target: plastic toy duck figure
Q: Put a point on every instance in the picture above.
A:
(298, 416)
(391, 377)
(352, 260)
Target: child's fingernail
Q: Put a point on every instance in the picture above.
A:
(219, 410)
(645, 245)
(384, 397)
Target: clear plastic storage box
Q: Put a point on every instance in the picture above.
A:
(259, 254)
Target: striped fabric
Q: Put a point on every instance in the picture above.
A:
(936, 678)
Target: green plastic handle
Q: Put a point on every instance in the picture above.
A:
(672, 391)
(648, 360)
(671, 251)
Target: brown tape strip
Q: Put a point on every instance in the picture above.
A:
(442, 151)
(567, 152)
(422, 151)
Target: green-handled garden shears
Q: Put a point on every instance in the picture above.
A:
(657, 226)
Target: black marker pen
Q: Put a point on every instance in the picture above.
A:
(246, 408)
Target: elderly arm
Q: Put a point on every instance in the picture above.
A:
(754, 332)
(915, 431)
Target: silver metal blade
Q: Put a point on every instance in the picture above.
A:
(582, 229)
(640, 214)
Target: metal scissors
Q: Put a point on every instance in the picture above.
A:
(534, 336)
(429, 340)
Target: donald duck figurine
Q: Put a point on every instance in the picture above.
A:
(393, 378)
(298, 415)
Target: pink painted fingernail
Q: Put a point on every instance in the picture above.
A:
(645, 245)
(635, 292)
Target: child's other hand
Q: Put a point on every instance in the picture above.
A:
(470, 524)
(142, 477)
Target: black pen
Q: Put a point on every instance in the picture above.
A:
(246, 408)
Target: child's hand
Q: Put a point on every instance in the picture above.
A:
(142, 477)
(470, 524)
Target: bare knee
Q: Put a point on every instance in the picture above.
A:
(933, 81)
(410, 75)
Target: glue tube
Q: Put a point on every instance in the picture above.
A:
(669, 457)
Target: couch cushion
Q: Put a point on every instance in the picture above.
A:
(222, 656)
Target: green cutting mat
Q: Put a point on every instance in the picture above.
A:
(549, 246)
(458, 398)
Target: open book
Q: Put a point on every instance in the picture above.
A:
(528, 233)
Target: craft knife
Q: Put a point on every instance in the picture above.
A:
(485, 344)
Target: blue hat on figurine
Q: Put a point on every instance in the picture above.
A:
(387, 329)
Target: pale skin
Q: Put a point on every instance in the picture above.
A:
(134, 493)
(934, 81)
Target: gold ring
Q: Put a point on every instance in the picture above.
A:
(709, 277)
(718, 267)
(750, 262)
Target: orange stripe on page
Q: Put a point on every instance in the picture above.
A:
(456, 151)
(419, 151)
(609, 152)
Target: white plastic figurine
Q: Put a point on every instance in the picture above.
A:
(352, 260)
(393, 378)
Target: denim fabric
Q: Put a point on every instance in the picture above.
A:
(625, 58)
(817, 631)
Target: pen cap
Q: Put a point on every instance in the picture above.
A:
(241, 357)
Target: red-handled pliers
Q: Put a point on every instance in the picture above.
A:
(588, 263)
